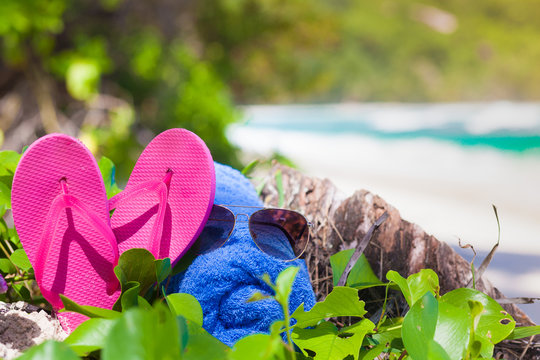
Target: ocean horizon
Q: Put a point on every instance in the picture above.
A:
(506, 126)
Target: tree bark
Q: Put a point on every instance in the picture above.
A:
(340, 222)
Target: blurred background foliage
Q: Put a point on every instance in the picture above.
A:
(117, 72)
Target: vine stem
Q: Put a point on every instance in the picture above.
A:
(4, 250)
(9, 257)
(18, 279)
(288, 328)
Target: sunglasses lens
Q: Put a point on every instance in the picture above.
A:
(217, 230)
(281, 233)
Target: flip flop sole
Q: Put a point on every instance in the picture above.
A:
(190, 195)
(80, 260)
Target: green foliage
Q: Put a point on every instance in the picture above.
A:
(87, 310)
(416, 285)
(419, 328)
(108, 170)
(136, 266)
(187, 306)
(20, 260)
(523, 332)
(462, 324)
(50, 350)
(373, 51)
(328, 342)
(342, 301)
(141, 76)
(145, 323)
(493, 322)
(90, 335)
(361, 275)
(282, 289)
(15, 267)
(156, 336)
(259, 346)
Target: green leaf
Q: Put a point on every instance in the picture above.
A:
(187, 306)
(416, 285)
(279, 186)
(90, 311)
(259, 188)
(143, 303)
(258, 296)
(284, 284)
(258, 346)
(107, 169)
(390, 333)
(130, 295)
(7, 267)
(8, 162)
(494, 322)
(372, 353)
(249, 167)
(163, 269)
(481, 347)
(142, 334)
(330, 343)
(5, 196)
(453, 330)
(523, 332)
(49, 350)
(137, 265)
(22, 291)
(202, 345)
(361, 274)
(342, 301)
(277, 327)
(20, 260)
(418, 330)
(90, 335)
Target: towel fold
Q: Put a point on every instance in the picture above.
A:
(222, 280)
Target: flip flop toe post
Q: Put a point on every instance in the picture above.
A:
(61, 214)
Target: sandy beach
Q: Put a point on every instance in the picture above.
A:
(445, 188)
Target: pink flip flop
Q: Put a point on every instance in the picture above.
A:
(61, 214)
(168, 197)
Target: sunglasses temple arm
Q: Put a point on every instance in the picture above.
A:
(360, 249)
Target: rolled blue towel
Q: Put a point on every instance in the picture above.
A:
(223, 279)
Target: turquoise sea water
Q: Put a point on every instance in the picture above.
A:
(512, 127)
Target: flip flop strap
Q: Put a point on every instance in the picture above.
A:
(152, 186)
(60, 203)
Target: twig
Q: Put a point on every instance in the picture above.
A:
(526, 347)
(473, 272)
(488, 258)
(322, 279)
(337, 231)
(360, 248)
(517, 300)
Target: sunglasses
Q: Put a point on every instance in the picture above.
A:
(281, 233)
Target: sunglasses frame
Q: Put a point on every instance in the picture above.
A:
(248, 217)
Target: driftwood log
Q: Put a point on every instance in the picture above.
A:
(340, 222)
